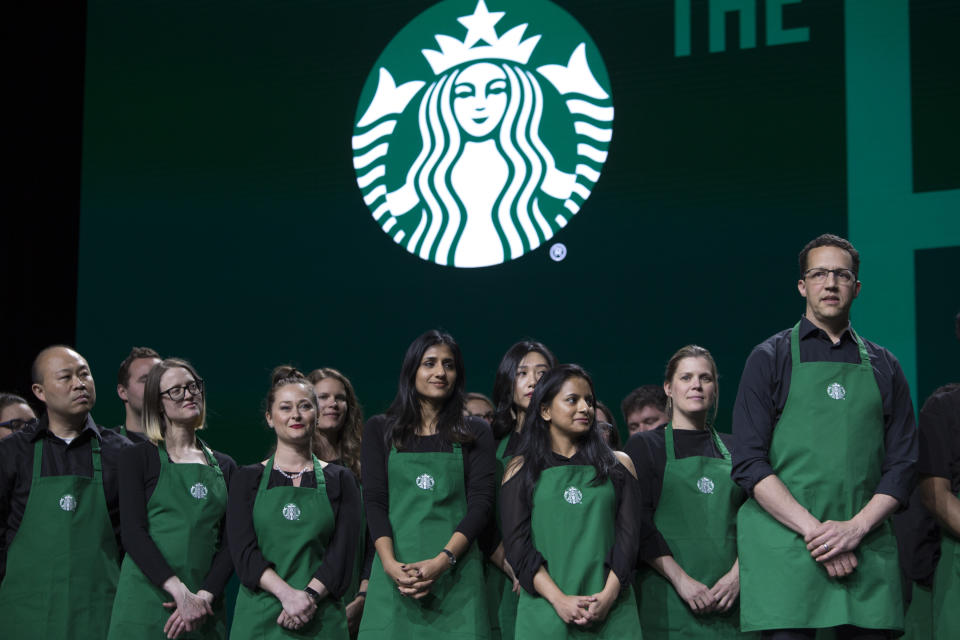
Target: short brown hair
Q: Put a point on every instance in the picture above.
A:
(123, 375)
(830, 240)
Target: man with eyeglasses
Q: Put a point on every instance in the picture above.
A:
(59, 520)
(130, 380)
(827, 448)
(15, 414)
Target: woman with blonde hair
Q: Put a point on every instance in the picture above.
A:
(173, 500)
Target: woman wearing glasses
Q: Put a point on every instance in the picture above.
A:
(428, 487)
(692, 584)
(173, 499)
(294, 525)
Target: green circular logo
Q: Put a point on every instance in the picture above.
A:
(481, 131)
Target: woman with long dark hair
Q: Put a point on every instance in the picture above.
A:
(294, 526)
(520, 369)
(339, 432)
(570, 511)
(691, 586)
(173, 501)
(428, 487)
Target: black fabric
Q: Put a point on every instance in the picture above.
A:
(516, 508)
(368, 549)
(491, 536)
(336, 570)
(763, 391)
(940, 437)
(845, 632)
(479, 469)
(133, 436)
(649, 454)
(59, 459)
(139, 472)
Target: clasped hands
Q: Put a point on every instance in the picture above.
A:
(584, 610)
(716, 599)
(415, 579)
(831, 543)
(189, 611)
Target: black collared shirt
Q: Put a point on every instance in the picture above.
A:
(58, 459)
(763, 391)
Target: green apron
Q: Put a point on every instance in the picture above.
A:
(918, 621)
(828, 449)
(185, 517)
(501, 600)
(428, 499)
(293, 526)
(946, 588)
(697, 515)
(63, 564)
(573, 528)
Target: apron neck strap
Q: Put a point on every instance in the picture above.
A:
(671, 454)
(502, 448)
(864, 356)
(318, 471)
(94, 458)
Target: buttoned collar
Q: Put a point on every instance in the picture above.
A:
(41, 428)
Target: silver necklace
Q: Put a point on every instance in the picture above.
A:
(291, 476)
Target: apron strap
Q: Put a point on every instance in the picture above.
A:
(211, 460)
(318, 472)
(265, 478)
(37, 457)
(671, 454)
(95, 456)
(795, 347)
(864, 356)
(164, 456)
(502, 448)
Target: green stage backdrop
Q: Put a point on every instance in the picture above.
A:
(222, 220)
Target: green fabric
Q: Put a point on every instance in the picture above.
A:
(501, 600)
(63, 564)
(918, 623)
(294, 526)
(573, 528)
(697, 516)
(184, 516)
(427, 501)
(828, 449)
(946, 588)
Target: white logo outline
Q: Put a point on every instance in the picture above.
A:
(199, 491)
(573, 495)
(836, 391)
(291, 511)
(68, 502)
(705, 485)
(425, 482)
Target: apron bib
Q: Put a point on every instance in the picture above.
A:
(184, 516)
(572, 526)
(427, 501)
(293, 526)
(501, 600)
(946, 589)
(828, 449)
(697, 515)
(63, 564)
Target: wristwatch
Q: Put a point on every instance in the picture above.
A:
(452, 559)
(313, 594)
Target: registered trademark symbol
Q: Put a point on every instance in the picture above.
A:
(558, 252)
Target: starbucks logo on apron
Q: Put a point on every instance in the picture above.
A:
(68, 503)
(482, 130)
(705, 485)
(425, 481)
(291, 511)
(199, 491)
(836, 391)
(573, 495)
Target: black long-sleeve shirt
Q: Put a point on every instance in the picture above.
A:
(336, 570)
(516, 510)
(649, 454)
(368, 549)
(139, 472)
(940, 436)
(59, 459)
(763, 391)
(479, 468)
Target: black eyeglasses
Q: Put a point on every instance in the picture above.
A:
(819, 275)
(16, 424)
(176, 393)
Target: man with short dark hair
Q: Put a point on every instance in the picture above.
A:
(130, 380)
(645, 408)
(827, 444)
(59, 521)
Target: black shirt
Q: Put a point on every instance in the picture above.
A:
(763, 391)
(648, 451)
(516, 508)
(336, 570)
(479, 468)
(59, 459)
(368, 549)
(133, 436)
(139, 472)
(940, 436)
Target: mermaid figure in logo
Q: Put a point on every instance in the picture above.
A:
(482, 168)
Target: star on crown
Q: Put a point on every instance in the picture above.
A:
(480, 26)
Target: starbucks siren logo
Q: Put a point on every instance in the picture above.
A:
(573, 495)
(199, 491)
(68, 502)
(291, 511)
(480, 150)
(705, 485)
(836, 391)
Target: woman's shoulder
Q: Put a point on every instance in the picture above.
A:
(141, 451)
(333, 470)
(626, 462)
(375, 424)
(249, 472)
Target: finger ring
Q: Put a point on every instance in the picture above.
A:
(826, 547)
